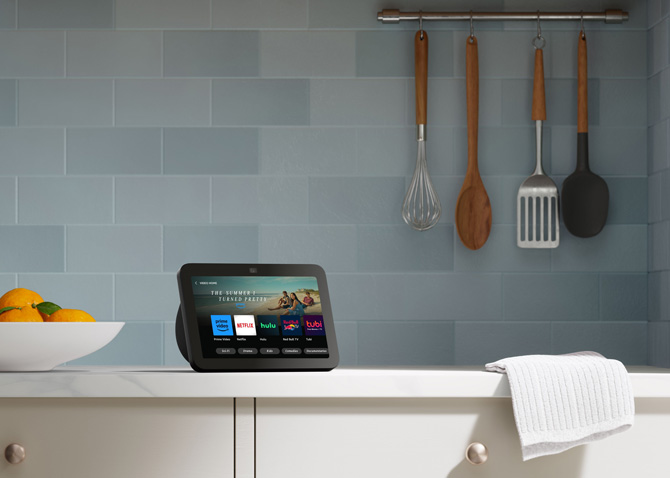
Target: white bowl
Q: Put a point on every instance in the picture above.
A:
(40, 346)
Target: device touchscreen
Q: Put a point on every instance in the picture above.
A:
(250, 316)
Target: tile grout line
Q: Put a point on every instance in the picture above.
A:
(114, 102)
(65, 54)
(114, 297)
(65, 228)
(162, 151)
(162, 228)
(162, 53)
(16, 103)
(16, 200)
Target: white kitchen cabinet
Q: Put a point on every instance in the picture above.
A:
(119, 437)
(400, 438)
(175, 423)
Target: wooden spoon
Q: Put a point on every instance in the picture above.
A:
(473, 209)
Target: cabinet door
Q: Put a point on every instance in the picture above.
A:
(401, 438)
(118, 438)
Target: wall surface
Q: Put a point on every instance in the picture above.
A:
(659, 183)
(138, 135)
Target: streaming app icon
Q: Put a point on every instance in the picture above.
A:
(222, 325)
(245, 325)
(290, 326)
(267, 325)
(314, 325)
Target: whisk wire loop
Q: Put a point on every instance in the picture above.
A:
(421, 208)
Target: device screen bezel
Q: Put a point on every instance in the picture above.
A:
(201, 364)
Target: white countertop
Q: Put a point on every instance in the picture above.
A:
(425, 382)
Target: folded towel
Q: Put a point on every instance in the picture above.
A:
(561, 401)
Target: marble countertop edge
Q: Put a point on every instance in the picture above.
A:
(382, 382)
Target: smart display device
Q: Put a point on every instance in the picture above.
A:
(255, 317)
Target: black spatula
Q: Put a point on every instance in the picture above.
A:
(585, 195)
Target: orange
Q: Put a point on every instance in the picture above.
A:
(20, 298)
(24, 314)
(69, 315)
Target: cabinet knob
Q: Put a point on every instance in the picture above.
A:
(476, 453)
(15, 453)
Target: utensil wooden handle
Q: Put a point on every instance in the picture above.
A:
(421, 75)
(582, 87)
(472, 95)
(539, 106)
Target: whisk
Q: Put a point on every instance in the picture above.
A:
(421, 208)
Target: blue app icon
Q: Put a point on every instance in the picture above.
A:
(222, 325)
(291, 326)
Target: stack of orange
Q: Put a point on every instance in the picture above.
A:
(24, 305)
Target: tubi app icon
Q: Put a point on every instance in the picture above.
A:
(245, 325)
(222, 325)
(267, 325)
(290, 326)
(314, 325)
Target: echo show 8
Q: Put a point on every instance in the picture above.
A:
(255, 317)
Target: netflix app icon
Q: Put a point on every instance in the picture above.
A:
(245, 325)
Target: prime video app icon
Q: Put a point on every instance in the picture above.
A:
(222, 325)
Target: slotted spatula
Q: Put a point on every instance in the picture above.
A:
(537, 201)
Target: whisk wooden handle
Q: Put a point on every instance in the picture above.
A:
(421, 75)
(539, 106)
(582, 87)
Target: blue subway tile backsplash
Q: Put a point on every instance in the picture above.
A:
(162, 14)
(301, 54)
(8, 200)
(658, 112)
(162, 102)
(32, 151)
(210, 53)
(32, 248)
(162, 200)
(32, 54)
(71, 200)
(138, 135)
(71, 102)
(114, 53)
(66, 14)
(260, 102)
(108, 151)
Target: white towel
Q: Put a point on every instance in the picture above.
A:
(561, 401)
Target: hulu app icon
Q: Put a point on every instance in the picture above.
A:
(267, 325)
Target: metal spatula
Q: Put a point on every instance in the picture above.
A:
(537, 200)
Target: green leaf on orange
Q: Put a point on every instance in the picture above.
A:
(5, 309)
(47, 307)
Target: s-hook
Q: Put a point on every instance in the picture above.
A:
(581, 24)
(539, 42)
(472, 29)
(421, 24)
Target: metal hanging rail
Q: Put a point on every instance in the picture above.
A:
(396, 16)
